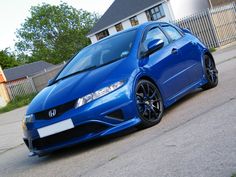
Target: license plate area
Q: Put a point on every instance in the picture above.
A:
(55, 128)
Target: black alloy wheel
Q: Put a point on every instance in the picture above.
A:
(149, 103)
(211, 73)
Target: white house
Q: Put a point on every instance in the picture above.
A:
(123, 14)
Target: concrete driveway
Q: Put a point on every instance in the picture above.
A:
(197, 137)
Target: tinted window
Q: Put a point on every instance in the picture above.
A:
(100, 54)
(155, 33)
(172, 32)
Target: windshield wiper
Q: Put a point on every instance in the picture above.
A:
(75, 73)
(112, 61)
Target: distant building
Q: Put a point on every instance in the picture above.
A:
(124, 14)
(23, 71)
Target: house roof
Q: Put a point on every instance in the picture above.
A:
(26, 70)
(119, 10)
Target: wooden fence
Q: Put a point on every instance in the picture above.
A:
(20, 87)
(215, 27)
(32, 84)
(40, 80)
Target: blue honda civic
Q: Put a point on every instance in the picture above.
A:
(122, 81)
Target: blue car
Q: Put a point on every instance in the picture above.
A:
(122, 81)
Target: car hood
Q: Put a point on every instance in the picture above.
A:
(79, 85)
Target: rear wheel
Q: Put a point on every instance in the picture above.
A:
(149, 103)
(211, 73)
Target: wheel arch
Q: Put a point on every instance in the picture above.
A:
(208, 53)
(205, 52)
(150, 79)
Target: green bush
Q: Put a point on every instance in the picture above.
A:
(212, 50)
(18, 102)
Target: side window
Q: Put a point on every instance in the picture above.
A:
(172, 32)
(155, 33)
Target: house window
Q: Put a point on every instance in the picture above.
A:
(134, 21)
(155, 13)
(119, 27)
(102, 34)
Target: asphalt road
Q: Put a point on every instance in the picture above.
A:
(197, 137)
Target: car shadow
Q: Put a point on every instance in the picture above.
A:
(89, 145)
(99, 142)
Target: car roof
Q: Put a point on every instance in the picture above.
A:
(138, 27)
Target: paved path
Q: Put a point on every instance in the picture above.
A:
(10, 129)
(195, 138)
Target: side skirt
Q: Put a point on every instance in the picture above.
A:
(184, 92)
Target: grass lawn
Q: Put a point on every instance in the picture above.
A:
(18, 102)
(212, 50)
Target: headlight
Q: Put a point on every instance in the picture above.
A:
(27, 119)
(95, 95)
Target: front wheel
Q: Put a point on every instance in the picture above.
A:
(211, 73)
(149, 103)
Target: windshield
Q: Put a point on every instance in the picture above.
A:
(100, 54)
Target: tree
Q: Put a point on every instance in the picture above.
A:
(54, 33)
(7, 60)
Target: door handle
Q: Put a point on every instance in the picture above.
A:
(174, 51)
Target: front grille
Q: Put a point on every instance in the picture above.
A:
(44, 115)
(68, 135)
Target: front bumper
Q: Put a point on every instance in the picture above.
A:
(90, 121)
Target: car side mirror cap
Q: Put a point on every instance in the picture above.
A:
(50, 82)
(186, 30)
(154, 45)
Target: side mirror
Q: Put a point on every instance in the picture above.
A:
(154, 45)
(50, 82)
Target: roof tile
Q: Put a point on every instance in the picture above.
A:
(26, 70)
(119, 10)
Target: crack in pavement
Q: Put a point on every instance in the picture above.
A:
(224, 61)
(11, 148)
(7, 123)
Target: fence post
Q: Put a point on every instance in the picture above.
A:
(9, 91)
(32, 84)
(216, 37)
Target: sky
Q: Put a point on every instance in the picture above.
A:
(14, 12)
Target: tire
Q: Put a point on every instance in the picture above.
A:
(149, 104)
(211, 73)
